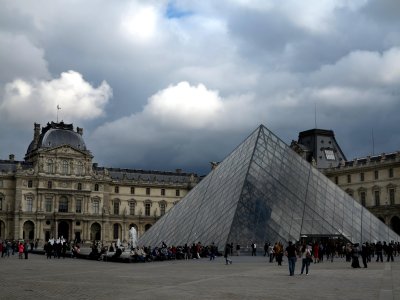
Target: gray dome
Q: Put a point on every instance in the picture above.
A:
(57, 134)
(57, 137)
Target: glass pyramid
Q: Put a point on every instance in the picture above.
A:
(264, 191)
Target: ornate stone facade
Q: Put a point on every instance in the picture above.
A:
(374, 182)
(58, 191)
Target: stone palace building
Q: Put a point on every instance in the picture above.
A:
(373, 181)
(58, 191)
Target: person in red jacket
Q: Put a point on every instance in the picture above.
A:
(20, 250)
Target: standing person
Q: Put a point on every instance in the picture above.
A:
(238, 249)
(271, 253)
(355, 253)
(279, 253)
(26, 249)
(389, 252)
(226, 254)
(379, 250)
(364, 254)
(20, 250)
(253, 249)
(306, 258)
(316, 252)
(266, 246)
(291, 254)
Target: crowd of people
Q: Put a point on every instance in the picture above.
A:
(10, 247)
(316, 252)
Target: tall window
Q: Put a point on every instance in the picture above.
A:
(79, 186)
(48, 203)
(391, 196)
(132, 206)
(116, 189)
(49, 184)
(96, 187)
(79, 169)
(63, 205)
(147, 191)
(116, 208)
(78, 205)
(177, 193)
(376, 174)
(336, 180)
(349, 178)
(377, 198)
(50, 166)
(390, 172)
(162, 192)
(162, 208)
(1, 202)
(96, 206)
(361, 176)
(363, 198)
(147, 209)
(30, 184)
(65, 167)
(132, 190)
(29, 203)
(116, 231)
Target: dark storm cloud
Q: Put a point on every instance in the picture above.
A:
(176, 84)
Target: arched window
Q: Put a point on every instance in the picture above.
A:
(96, 187)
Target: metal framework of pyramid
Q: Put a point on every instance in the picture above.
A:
(264, 191)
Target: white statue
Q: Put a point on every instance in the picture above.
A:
(133, 233)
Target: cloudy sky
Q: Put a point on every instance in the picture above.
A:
(162, 84)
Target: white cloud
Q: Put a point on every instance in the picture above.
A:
(140, 22)
(182, 104)
(26, 102)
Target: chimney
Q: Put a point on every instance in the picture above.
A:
(36, 134)
(11, 157)
(79, 130)
(179, 171)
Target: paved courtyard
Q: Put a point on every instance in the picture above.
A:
(246, 278)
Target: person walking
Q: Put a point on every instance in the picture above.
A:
(226, 254)
(306, 258)
(291, 254)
